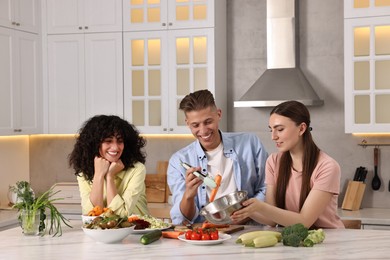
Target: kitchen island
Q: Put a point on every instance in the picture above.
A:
(73, 244)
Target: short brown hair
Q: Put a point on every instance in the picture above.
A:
(197, 100)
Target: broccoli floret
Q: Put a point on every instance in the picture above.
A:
(295, 234)
(292, 240)
(314, 237)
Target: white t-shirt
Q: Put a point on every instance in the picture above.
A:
(219, 164)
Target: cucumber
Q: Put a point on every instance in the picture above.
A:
(150, 237)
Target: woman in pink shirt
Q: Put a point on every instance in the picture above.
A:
(303, 182)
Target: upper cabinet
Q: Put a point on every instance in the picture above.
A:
(84, 78)
(83, 16)
(23, 15)
(20, 83)
(367, 66)
(20, 63)
(162, 66)
(140, 15)
(366, 8)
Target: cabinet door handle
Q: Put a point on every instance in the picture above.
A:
(170, 24)
(171, 129)
(164, 24)
(80, 27)
(165, 129)
(86, 27)
(17, 24)
(17, 130)
(13, 23)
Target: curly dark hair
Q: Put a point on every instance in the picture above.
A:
(92, 134)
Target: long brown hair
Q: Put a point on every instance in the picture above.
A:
(298, 113)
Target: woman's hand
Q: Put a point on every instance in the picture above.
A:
(101, 166)
(251, 206)
(115, 168)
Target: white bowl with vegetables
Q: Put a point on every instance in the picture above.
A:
(108, 228)
(108, 235)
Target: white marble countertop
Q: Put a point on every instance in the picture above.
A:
(8, 218)
(73, 244)
(368, 216)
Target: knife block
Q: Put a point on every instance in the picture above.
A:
(353, 195)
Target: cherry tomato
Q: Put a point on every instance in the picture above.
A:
(214, 235)
(195, 236)
(188, 234)
(206, 236)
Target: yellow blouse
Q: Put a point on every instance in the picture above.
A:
(131, 197)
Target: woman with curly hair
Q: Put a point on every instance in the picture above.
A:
(109, 164)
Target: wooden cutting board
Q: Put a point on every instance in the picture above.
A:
(227, 230)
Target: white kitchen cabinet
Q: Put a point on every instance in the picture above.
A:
(162, 66)
(21, 15)
(168, 14)
(367, 77)
(20, 83)
(84, 78)
(81, 16)
(366, 8)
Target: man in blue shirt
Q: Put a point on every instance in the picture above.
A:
(238, 157)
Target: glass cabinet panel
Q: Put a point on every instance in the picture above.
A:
(361, 75)
(138, 83)
(382, 40)
(362, 109)
(138, 113)
(182, 50)
(362, 41)
(154, 77)
(183, 81)
(382, 107)
(137, 51)
(361, 3)
(155, 113)
(200, 50)
(382, 75)
(200, 78)
(382, 3)
(154, 52)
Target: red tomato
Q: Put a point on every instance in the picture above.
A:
(188, 234)
(206, 236)
(214, 235)
(195, 236)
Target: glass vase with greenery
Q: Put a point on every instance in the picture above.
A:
(26, 201)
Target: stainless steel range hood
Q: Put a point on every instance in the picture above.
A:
(283, 80)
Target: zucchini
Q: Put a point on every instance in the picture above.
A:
(247, 237)
(150, 237)
(263, 241)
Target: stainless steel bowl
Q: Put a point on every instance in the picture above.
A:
(219, 211)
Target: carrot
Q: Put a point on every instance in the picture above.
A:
(132, 218)
(172, 234)
(211, 225)
(217, 180)
(96, 211)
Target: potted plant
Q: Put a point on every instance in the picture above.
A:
(32, 210)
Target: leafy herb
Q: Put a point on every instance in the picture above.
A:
(26, 200)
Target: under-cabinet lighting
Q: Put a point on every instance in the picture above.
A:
(371, 134)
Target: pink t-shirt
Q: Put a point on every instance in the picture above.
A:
(325, 177)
